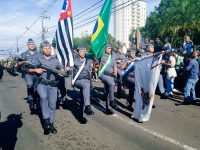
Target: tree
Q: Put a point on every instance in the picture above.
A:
(53, 43)
(87, 41)
(174, 19)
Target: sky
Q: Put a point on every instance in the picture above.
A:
(18, 15)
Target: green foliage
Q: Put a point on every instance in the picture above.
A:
(53, 43)
(132, 36)
(87, 42)
(174, 18)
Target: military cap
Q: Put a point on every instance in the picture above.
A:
(133, 49)
(108, 45)
(30, 41)
(45, 43)
(121, 46)
(81, 46)
(149, 45)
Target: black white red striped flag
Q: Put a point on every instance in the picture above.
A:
(64, 35)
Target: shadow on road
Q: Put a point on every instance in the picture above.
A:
(74, 105)
(8, 131)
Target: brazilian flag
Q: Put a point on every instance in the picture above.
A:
(100, 32)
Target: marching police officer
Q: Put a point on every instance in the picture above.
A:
(47, 87)
(120, 61)
(1, 71)
(30, 55)
(131, 79)
(108, 77)
(83, 81)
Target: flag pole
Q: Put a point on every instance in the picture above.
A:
(72, 67)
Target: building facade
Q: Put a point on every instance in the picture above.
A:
(128, 15)
(86, 33)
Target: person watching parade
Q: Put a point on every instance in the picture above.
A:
(167, 45)
(171, 74)
(47, 86)
(83, 81)
(187, 45)
(158, 45)
(31, 56)
(192, 68)
(108, 78)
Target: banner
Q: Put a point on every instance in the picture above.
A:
(147, 71)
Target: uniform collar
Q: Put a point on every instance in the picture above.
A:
(34, 52)
(51, 57)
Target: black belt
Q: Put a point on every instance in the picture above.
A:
(52, 83)
(109, 74)
(81, 78)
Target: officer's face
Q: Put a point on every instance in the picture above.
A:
(31, 46)
(120, 50)
(132, 54)
(108, 50)
(151, 49)
(46, 50)
(82, 53)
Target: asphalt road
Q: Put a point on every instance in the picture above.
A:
(171, 126)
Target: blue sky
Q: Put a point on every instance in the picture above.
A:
(16, 15)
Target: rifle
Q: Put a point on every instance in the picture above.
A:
(27, 64)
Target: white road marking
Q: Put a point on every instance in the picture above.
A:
(157, 134)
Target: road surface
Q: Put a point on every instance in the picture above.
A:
(171, 127)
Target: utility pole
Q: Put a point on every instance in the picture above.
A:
(43, 16)
(17, 46)
(138, 39)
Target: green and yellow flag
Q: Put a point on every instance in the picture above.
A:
(100, 32)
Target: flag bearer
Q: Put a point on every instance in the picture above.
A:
(108, 73)
(82, 80)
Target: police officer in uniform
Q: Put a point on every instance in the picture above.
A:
(108, 78)
(83, 82)
(30, 55)
(47, 87)
(131, 79)
(121, 59)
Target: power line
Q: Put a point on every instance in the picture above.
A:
(87, 19)
(87, 9)
(35, 21)
(132, 2)
(94, 9)
(50, 35)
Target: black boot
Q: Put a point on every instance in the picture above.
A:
(82, 120)
(109, 111)
(46, 126)
(88, 110)
(113, 104)
(52, 129)
(32, 107)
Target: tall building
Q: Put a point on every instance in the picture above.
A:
(86, 33)
(132, 16)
